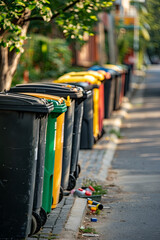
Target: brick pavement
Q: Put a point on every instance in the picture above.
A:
(56, 220)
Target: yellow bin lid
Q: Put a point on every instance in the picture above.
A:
(114, 67)
(51, 97)
(96, 74)
(71, 78)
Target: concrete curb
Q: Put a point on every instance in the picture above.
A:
(76, 216)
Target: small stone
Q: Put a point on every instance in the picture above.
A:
(90, 235)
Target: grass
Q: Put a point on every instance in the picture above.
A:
(88, 230)
(99, 190)
(116, 132)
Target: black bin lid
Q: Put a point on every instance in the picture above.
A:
(86, 88)
(24, 103)
(62, 90)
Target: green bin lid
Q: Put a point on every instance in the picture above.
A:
(24, 103)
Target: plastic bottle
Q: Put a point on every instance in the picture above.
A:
(80, 192)
(90, 189)
(95, 203)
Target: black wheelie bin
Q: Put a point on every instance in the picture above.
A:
(22, 127)
(80, 114)
(87, 138)
(109, 89)
(76, 96)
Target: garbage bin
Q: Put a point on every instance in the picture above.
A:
(75, 93)
(119, 84)
(22, 122)
(77, 129)
(53, 155)
(59, 109)
(100, 78)
(87, 139)
(109, 89)
(95, 79)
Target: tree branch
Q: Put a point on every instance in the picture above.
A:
(56, 14)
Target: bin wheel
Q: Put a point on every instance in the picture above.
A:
(78, 170)
(60, 194)
(72, 182)
(43, 216)
(38, 221)
(33, 226)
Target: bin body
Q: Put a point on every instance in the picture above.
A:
(19, 137)
(120, 83)
(67, 145)
(109, 89)
(101, 108)
(87, 139)
(49, 162)
(37, 203)
(127, 78)
(76, 137)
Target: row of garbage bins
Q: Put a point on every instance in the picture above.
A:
(42, 128)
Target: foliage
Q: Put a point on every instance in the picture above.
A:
(115, 132)
(124, 42)
(74, 16)
(43, 58)
(153, 8)
(81, 17)
(12, 18)
(126, 35)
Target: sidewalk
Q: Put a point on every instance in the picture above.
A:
(64, 221)
(134, 177)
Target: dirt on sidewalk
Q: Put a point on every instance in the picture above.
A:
(114, 195)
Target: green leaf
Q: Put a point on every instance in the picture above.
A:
(11, 48)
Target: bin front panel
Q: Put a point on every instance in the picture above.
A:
(49, 162)
(37, 203)
(122, 87)
(87, 124)
(95, 112)
(78, 114)
(19, 132)
(109, 94)
(118, 84)
(101, 108)
(67, 145)
(58, 160)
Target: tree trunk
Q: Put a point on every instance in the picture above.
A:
(8, 65)
(9, 60)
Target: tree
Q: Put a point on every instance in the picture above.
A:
(74, 17)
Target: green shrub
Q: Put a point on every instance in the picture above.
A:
(43, 58)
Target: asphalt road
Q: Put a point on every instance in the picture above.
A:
(135, 174)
